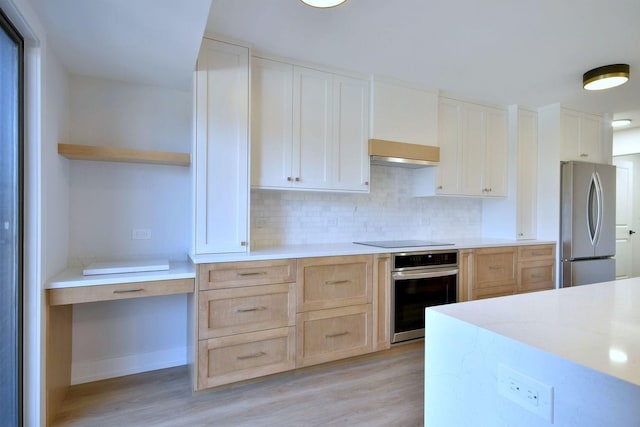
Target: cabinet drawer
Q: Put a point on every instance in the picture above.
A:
(327, 335)
(237, 274)
(495, 267)
(536, 252)
(235, 311)
(536, 275)
(80, 294)
(334, 282)
(241, 357)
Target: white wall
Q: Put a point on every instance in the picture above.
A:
(626, 142)
(387, 212)
(107, 201)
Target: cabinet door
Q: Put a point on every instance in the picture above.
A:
(449, 139)
(326, 335)
(312, 128)
(495, 271)
(271, 123)
(526, 225)
(221, 144)
(351, 119)
(473, 151)
(570, 134)
(240, 357)
(591, 138)
(496, 153)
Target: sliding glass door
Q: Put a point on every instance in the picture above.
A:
(11, 172)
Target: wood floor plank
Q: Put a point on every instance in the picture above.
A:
(376, 391)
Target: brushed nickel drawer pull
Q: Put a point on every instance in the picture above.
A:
(129, 291)
(255, 273)
(496, 267)
(247, 310)
(337, 282)
(339, 334)
(537, 276)
(252, 356)
(538, 253)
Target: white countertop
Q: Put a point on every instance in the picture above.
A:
(72, 277)
(343, 249)
(597, 326)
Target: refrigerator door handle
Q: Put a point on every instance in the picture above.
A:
(594, 208)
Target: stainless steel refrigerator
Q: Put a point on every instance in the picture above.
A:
(588, 223)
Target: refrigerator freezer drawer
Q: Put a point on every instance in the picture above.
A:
(584, 272)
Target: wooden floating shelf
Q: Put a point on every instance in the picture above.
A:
(126, 155)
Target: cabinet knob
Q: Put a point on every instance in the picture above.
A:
(439, 187)
(298, 179)
(520, 234)
(289, 179)
(243, 243)
(366, 183)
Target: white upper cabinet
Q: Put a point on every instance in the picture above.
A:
(583, 136)
(351, 106)
(309, 128)
(221, 148)
(271, 123)
(312, 128)
(473, 141)
(403, 113)
(527, 173)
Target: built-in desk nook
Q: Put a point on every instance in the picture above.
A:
(73, 287)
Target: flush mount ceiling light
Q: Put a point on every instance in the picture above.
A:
(620, 123)
(323, 3)
(606, 77)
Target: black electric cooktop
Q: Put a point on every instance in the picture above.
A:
(402, 243)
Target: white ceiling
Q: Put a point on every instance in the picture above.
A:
(531, 53)
(142, 41)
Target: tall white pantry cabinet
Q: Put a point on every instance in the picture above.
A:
(221, 165)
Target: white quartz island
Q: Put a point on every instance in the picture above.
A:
(565, 357)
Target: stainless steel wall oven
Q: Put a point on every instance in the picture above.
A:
(419, 280)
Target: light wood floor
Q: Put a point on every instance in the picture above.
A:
(379, 390)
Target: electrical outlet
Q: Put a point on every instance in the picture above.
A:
(525, 391)
(141, 234)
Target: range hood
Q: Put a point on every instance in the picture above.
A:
(401, 154)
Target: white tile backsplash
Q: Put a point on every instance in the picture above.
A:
(387, 212)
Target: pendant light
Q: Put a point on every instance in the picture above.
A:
(606, 77)
(323, 3)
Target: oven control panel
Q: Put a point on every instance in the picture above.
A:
(422, 260)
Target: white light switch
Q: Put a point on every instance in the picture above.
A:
(141, 234)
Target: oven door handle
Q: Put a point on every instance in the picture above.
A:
(424, 275)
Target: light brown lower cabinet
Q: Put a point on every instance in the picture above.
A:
(240, 357)
(495, 272)
(536, 268)
(333, 334)
(245, 321)
(499, 271)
